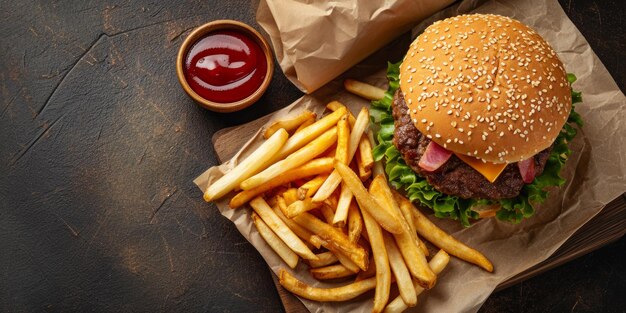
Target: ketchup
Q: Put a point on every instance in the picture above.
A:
(225, 66)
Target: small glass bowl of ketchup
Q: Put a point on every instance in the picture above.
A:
(224, 65)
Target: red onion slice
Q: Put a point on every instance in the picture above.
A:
(527, 169)
(434, 157)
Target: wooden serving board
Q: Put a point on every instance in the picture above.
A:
(608, 226)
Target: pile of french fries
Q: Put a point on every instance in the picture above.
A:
(317, 195)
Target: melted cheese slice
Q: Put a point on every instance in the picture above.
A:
(491, 171)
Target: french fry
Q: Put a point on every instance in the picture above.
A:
(271, 201)
(308, 134)
(343, 140)
(342, 293)
(330, 152)
(313, 167)
(299, 206)
(301, 194)
(327, 212)
(283, 251)
(405, 210)
(281, 204)
(365, 153)
(280, 229)
(333, 181)
(364, 90)
(359, 128)
(415, 261)
(276, 192)
(334, 237)
(343, 259)
(441, 239)
(250, 166)
(400, 271)
(341, 214)
(355, 222)
(304, 234)
(378, 168)
(423, 247)
(331, 272)
(406, 240)
(290, 124)
(408, 217)
(437, 265)
(305, 124)
(290, 196)
(304, 154)
(324, 258)
(331, 201)
(381, 261)
(328, 187)
(364, 173)
(368, 203)
(335, 105)
(370, 272)
(313, 185)
(383, 192)
(332, 247)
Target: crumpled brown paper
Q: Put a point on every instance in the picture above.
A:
(315, 41)
(596, 172)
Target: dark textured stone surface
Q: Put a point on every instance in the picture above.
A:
(593, 283)
(98, 146)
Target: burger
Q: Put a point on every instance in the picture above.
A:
(477, 119)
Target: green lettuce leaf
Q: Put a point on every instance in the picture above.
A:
(513, 210)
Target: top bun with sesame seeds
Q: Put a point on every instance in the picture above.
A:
(486, 86)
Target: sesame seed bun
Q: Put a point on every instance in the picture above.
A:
(486, 86)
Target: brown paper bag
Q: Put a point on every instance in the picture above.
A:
(315, 41)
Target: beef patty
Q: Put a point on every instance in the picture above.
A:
(455, 177)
